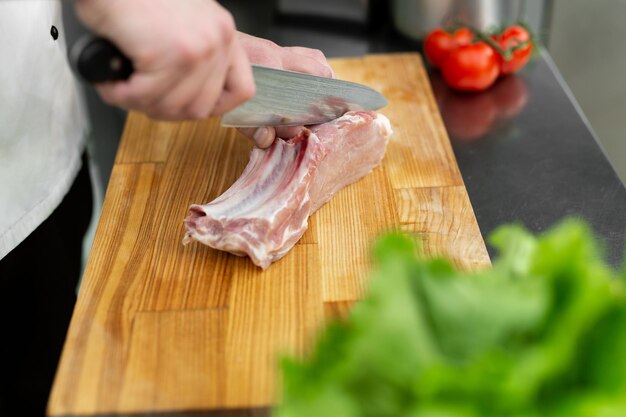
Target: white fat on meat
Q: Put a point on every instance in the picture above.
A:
(265, 212)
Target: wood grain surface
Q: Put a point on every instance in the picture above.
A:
(166, 329)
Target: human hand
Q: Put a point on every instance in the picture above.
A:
(267, 53)
(189, 62)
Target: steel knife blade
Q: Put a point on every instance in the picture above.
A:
(283, 98)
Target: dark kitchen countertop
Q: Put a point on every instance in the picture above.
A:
(524, 148)
(541, 164)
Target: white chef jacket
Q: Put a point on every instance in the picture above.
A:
(42, 118)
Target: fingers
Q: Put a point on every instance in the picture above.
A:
(203, 101)
(295, 58)
(239, 86)
(260, 51)
(308, 65)
(194, 95)
(311, 61)
(189, 68)
(262, 137)
(315, 54)
(264, 52)
(209, 88)
(172, 94)
(140, 91)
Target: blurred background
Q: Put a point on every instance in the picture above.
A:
(586, 40)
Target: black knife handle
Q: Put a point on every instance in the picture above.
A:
(97, 60)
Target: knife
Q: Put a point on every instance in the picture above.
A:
(283, 98)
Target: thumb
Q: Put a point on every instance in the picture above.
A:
(263, 137)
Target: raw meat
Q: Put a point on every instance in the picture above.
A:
(264, 213)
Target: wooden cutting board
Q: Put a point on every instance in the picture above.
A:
(162, 327)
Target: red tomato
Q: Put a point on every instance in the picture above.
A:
(471, 67)
(510, 38)
(439, 43)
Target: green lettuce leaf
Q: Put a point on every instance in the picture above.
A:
(541, 333)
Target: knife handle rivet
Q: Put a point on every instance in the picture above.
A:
(115, 64)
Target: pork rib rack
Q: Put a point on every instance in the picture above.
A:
(265, 212)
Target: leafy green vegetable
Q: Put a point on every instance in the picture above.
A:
(541, 333)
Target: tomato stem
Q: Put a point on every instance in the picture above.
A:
(486, 36)
(506, 54)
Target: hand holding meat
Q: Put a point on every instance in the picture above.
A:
(189, 62)
(268, 54)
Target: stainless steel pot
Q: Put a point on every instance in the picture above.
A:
(415, 18)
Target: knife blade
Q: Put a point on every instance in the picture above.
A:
(283, 98)
(286, 98)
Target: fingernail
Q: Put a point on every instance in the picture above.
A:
(262, 137)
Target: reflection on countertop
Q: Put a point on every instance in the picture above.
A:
(472, 116)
